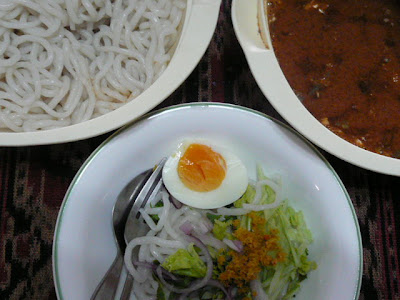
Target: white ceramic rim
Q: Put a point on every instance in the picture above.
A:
(198, 28)
(272, 82)
(55, 258)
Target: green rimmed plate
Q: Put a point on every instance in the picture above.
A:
(83, 242)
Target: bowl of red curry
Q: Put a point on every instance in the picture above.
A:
(331, 68)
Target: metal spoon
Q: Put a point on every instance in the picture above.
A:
(108, 285)
(134, 226)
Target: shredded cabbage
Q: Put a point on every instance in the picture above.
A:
(283, 280)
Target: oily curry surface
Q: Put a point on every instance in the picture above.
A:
(342, 59)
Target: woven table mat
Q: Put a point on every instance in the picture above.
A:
(33, 181)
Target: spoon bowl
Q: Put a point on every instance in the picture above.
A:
(123, 206)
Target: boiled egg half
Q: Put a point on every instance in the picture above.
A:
(204, 174)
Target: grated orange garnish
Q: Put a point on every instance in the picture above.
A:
(259, 250)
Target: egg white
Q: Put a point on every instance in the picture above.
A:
(232, 187)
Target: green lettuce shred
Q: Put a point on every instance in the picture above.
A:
(268, 194)
(222, 229)
(294, 237)
(185, 262)
(160, 293)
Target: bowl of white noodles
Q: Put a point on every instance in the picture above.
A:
(74, 69)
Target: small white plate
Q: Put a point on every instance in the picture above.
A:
(272, 82)
(198, 28)
(83, 242)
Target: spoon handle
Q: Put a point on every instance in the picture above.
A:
(108, 285)
(126, 292)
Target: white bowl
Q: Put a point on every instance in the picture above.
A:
(84, 247)
(272, 82)
(198, 28)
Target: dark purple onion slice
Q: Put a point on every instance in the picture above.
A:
(231, 292)
(175, 202)
(197, 284)
(234, 244)
(154, 267)
(239, 245)
(211, 241)
(187, 228)
(145, 264)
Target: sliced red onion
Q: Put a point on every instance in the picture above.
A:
(235, 245)
(257, 289)
(187, 227)
(203, 227)
(154, 267)
(211, 241)
(145, 264)
(239, 245)
(208, 224)
(197, 284)
(207, 239)
(175, 202)
(231, 291)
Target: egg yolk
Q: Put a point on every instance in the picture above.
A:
(201, 169)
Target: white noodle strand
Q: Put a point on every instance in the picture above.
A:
(63, 62)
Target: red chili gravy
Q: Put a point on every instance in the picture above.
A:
(342, 59)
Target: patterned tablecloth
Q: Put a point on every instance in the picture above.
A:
(33, 181)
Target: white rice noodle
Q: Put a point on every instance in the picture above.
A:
(63, 62)
(223, 211)
(259, 207)
(164, 239)
(259, 186)
(255, 206)
(145, 290)
(163, 215)
(146, 240)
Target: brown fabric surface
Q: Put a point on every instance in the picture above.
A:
(33, 181)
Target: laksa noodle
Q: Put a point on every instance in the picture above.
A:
(65, 62)
(341, 59)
